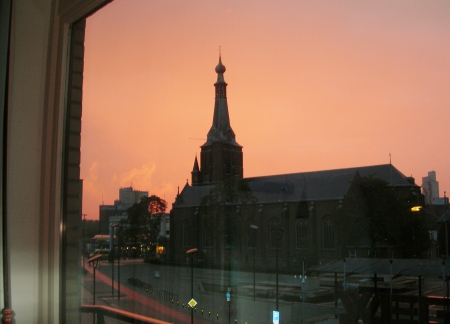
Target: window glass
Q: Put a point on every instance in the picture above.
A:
(230, 149)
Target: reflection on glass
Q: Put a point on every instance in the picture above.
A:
(324, 220)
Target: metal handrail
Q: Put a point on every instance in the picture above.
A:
(128, 317)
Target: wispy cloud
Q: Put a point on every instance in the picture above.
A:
(139, 178)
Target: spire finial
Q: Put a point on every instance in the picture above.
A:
(220, 68)
(220, 52)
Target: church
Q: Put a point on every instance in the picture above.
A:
(237, 222)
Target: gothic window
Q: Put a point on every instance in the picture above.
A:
(185, 233)
(239, 163)
(229, 237)
(205, 163)
(275, 232)
(251, 243)
(227, 162)
(301, 232)
(328, 234)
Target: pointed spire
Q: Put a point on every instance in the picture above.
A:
(196, 168)
(196, 174)
(221, 130)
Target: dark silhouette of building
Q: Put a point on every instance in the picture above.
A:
(221, 155)
(127, 197)
(292, 211)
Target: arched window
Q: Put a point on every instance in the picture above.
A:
(301, 232)
(251, 242)
(275, 232)
(328, 234)
(227, 163)
(185, 233)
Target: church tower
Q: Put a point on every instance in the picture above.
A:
(221, 156)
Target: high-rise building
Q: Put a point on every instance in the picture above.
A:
(430, 188)
(127, 197)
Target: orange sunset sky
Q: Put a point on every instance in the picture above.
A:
(312, 85)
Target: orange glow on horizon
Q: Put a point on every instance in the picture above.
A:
(311, 86)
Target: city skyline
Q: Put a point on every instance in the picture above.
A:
(311, 86)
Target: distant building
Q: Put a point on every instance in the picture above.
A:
(430, 188)
(292, 211)
(113, 214)
(165, 226)
(442, 201)
(127, 197)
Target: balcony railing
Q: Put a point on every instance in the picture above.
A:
(114, 313)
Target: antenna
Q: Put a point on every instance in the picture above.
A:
(390, 158)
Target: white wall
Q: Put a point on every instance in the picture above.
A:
(34, 158)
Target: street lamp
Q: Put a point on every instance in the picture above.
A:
(94, 262)
(111, 254)
(119, 251)
(254, 227)
(444, 219)
(303, 290)
(278, 232)
(188, 252)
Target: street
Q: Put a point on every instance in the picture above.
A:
(172, 291)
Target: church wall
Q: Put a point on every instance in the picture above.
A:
(215, 254)
(302, 247)
(324, 213)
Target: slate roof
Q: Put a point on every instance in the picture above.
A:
(304, 186)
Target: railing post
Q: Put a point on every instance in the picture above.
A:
(423, 310)
(385, 306)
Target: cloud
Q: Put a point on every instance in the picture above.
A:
(139, 178)
(93, 172)
(92, 192)
(167, 191)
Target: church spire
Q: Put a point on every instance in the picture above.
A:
(221, 130)
(195, 174)
(221, 157)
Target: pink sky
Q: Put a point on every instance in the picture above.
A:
(312, 85)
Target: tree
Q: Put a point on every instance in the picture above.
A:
(144, 220)
(90, 228)
(372, 210)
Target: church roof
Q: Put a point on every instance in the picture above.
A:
(303, 186)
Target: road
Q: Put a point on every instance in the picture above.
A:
(174, 283)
